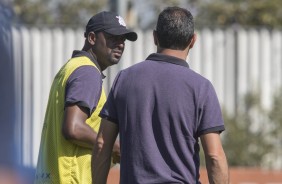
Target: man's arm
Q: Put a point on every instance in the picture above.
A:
(101, 157)
(75, 128)
(216, 162)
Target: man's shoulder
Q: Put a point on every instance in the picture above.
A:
(82, 62)
(140, 64)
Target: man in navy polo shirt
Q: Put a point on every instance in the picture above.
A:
(161, 108)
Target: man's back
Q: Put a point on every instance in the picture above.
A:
(160, 104)
(161, 108)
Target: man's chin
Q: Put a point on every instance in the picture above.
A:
(115, 61)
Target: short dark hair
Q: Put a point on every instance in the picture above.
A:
(175, 28)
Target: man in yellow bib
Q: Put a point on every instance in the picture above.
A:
(75, 100)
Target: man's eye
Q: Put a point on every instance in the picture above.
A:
(109, 37)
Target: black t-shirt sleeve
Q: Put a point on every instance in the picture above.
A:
(84, 87)
(109, 110)
(210, 112)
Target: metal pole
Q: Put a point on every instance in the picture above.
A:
(119, 6)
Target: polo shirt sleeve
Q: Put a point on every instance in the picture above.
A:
(84, 87)
(109, 110)
(210, 114)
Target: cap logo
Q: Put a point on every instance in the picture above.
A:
(121, 21)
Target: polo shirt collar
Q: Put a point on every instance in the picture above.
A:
(168, 59)
(80, 53)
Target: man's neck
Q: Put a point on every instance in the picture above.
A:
(182, 54)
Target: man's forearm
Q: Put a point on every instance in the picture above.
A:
(103, 148)
(217, 169)
(100, 165)
(100, 169)
(82, 135)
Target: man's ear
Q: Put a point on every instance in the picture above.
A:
(155, 38)
(193, 40)
(91, 38)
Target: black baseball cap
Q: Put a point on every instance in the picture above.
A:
(111, 23)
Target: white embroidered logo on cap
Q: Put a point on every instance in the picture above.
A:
(121, 21)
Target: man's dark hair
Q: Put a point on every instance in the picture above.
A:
(175, 28)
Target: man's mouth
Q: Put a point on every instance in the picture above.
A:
(117, 53)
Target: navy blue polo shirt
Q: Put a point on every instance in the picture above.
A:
(162, 107)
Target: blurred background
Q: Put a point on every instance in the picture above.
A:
(239, 49)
